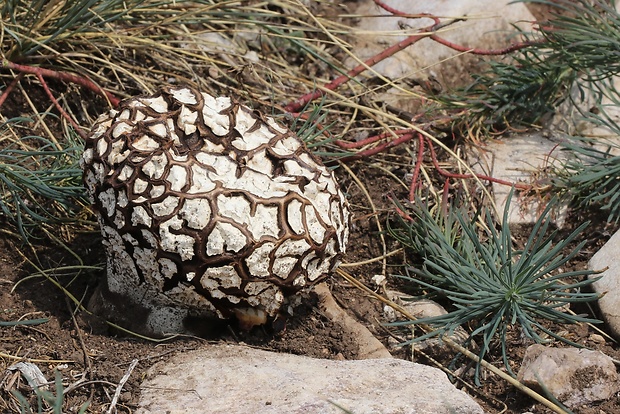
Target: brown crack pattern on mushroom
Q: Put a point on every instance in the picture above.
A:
(205, 204)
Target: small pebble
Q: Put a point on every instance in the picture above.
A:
(214, 73)
(596, 338)
(378, 280)
(389, 313)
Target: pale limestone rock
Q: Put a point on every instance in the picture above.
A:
(223, 379)
(488, 27)
(574, 376)
(609, 284)
(421, 308)
(515, 158)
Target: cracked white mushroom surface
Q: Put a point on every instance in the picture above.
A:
(206, 205)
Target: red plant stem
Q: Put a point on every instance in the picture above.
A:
(297, 104)
(485, 52)
(448, 174)
(399, 211)
(60, 108)
(379, 148)
(62, 76)
(451, 45)
(370, 140)
(10, 88)
(416, 170)
(444, 197)
(389, 9)
(397, 12)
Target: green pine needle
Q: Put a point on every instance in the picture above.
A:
(491, 285)
(572, 49)
(40, 185)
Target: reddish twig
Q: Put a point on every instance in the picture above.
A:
(297, 104)
(64, 77)
(399, 210)
(416, 170)
(379, 148)
(425, 32)
(485, 52)
(454, 46)
(370, 140)
(448, 174)
(389, 9)
(10, 88)
(60, 108)
(397, 12)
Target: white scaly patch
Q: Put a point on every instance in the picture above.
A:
(197, 213)
(165, 207)
(159, 104)
(258, 262)
(155, 167)
(181, 244)
(185, 96)
(264, 223)
(187, 120)
(177, 177)
(225, 237)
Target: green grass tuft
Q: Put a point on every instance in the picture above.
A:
(492, 286)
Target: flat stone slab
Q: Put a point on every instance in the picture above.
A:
(230, 379)
(606, 260)
(515, 159)
(490, 27)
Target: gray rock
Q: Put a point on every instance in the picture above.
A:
(422, 308)
(490, 28)
(609, 284)
(427, 63)
(233, 379)
(574, 376)
(514, 159)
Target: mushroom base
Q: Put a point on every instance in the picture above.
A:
(151, 319)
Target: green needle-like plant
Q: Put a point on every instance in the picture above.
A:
(511, 94)
(585, 36)
(565, 54)
(431, 226)
(314, 130)
(36, 24)
(39, 182)
(490, 284)
(590, 177)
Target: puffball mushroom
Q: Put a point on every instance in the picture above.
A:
(209, 208)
